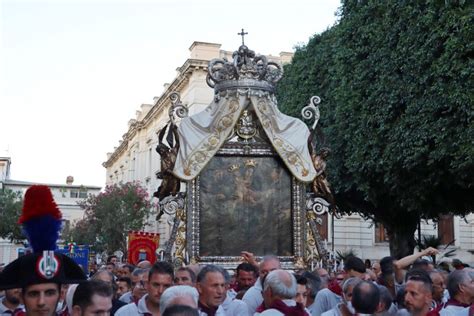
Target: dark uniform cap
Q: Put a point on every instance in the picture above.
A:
(37, 268)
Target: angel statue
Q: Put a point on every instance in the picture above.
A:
(170, 185)
(320, 184)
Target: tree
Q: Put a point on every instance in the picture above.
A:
(110, 215)
(11, 203)
(396, 79)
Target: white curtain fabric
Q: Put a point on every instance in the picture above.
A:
(202, 134)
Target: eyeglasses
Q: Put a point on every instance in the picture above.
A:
(140, 284)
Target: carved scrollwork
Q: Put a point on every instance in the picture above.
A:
(177, 108)
(312, 111)
(315, 207)
(171, 204)
(274, 72)
(174, 207)
(318, 205)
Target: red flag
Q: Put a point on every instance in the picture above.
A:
(142, 246)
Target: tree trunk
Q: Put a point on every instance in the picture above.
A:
(402, 238)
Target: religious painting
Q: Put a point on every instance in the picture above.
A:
(245, 202)
(245, 205)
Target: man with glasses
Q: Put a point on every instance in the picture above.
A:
(345, 307)
(327, 299)
(253, 297)
(461, 291)
(438, 288)
(138, 289)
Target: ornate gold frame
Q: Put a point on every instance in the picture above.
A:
(245, 150)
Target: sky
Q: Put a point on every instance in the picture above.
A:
(73, 73)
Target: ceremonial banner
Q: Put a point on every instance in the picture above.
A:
(80, 255)
(142, 246)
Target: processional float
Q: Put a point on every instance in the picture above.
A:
(246, 167)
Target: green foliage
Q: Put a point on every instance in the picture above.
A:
(11, 203)
(110, 215)
(342, 255)
(436, 242)
(395, 79)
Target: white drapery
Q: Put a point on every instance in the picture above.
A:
(202, 134)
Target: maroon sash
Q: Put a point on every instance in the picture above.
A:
(210, 311)
(454, 302)
(334, 287)
(297, 310)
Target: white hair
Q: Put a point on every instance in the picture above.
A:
(282, 283)
(177, 291)
(353, 281)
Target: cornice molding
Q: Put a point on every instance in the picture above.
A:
(185, 72)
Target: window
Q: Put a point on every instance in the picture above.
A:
(78, 194)
(323, 226)
(380, 233)
(149, 162)
(446, 228)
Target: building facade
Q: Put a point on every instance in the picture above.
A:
(66, 196)
(135, 159)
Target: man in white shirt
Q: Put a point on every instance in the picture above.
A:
(179, 295)
(138, 289)
(279, 289)
(212, 289)
(11, 302)
(160, 278)
(253, 297)
(461, 291)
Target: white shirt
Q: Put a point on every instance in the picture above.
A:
(134, 309)
(335, 311)
(234, 307)
(312, 308)
(452, 310)
(253, 297)
(276, 312)
(325, 300)
(5, 311)
(126, 297)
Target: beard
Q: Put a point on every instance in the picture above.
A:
(14, 300)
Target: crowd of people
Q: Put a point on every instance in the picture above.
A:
(409, 286)
(46, 283)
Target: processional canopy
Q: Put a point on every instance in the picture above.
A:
(245, 164)
(242, 86)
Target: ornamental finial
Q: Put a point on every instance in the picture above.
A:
(242, 34)
(247, 70)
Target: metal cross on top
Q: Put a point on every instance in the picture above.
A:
(242, 34)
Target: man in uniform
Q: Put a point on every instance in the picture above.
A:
(41, 273)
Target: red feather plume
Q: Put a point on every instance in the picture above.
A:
(39, 202)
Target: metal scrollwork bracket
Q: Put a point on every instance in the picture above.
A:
(173, 205)
(315, 207)
(312, 111)
(317, 204)
(177, 108)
